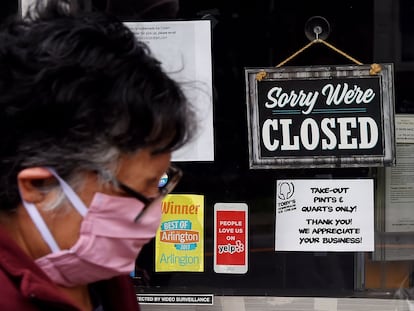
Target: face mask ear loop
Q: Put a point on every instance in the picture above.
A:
(41, 226)
(38, 220)
(70, 194)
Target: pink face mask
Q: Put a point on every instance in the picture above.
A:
(109, 240)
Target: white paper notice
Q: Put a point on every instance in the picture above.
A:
(325, 215)
(404, 129)
(399, 180)
(184, 49)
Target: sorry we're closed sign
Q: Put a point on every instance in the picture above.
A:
(320, 117)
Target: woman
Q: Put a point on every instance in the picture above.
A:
(88, 121)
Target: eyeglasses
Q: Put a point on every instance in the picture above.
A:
(166, 184)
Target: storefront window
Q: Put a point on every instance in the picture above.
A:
(262, 34)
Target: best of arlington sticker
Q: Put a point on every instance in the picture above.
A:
(179, 244)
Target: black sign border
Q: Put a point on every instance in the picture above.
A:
(256, 161)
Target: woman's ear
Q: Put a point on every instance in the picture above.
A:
(27, 180)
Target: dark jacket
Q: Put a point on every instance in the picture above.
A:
(25, 287)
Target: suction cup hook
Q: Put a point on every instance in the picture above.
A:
(317, 27)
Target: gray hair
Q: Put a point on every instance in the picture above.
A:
(77, 90)
(101, 165)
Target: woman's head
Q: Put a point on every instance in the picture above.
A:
(77, 92)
